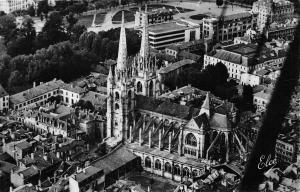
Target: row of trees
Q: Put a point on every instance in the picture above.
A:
(25, 40)
(63, 60)
(105, 44)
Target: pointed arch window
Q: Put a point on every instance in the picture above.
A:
(191, 140)
(139, 87)
(148, 162)
(157, 164)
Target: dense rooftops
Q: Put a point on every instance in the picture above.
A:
(36, 91)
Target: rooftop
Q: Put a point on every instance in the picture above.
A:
(186, 90)
(36, 91)
(266, 95)
(176, 65)
(167, 27)
(112, 161)
(87, 173)
(74, 89)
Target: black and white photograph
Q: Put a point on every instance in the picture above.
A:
(149, 96)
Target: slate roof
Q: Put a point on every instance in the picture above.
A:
(3, 93)
(166, 108)
(114, 160)
(29, 172)
(74, 89)
(89, 172)
(176, 65)
(36, 91)
(219, 121)
(23, 145)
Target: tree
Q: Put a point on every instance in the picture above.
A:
(71, 21)
(43, 7)
(219, 2)
(8, 28)
(31, 11)
(53, 31)
(76, 32)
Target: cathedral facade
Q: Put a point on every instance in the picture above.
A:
(174, 141)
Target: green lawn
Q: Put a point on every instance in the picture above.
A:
(88, 20)
(129, 17)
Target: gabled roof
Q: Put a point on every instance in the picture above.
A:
(3, 93)
(166, 108)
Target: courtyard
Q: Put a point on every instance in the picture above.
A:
(156, 183)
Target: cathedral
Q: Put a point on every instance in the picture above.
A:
(174, 141)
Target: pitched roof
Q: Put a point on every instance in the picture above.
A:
(3, 93)
(166, 108)
(36, 91)
(114, 160)
(87, 173)
(176, 65)
(74, 89)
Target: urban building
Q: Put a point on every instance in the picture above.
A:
(272, 11)
(286, 150)
(71, 94)
(241, 58)
(36, 96)
(284, 30)
(4, 100)
(261, 99)
(164, 34)
(154, 16)
(9, 6)
(250, 79)
(86, 179)
(231, 26)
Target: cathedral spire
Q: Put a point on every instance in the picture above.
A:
(122, 54)
(205, 108)
(144, 51)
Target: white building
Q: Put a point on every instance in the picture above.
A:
(71, 94)
(249, 79)
(241, 58)
(4, 99)
(9, 6)
(261, 100)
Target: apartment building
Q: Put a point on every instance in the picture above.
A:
(231, 26)
(4, 99)
(71, 94)
(272, 11)
(286, 147)
(261, 100)
(241, 58)
(153, 16)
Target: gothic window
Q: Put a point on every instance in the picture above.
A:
(151, 89)
(185, 172)
(168, 167)
(148, 162)
(117, 106)
(176, 170)
(139, 87)
(191, 140)
(117, 96)
(157, 164)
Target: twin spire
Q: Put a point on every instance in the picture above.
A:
(144, 50)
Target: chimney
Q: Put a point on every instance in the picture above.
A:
(84, 170)
(40, 183)
(77, 169)
(32, 155)
(34, 84)
(10, 189)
